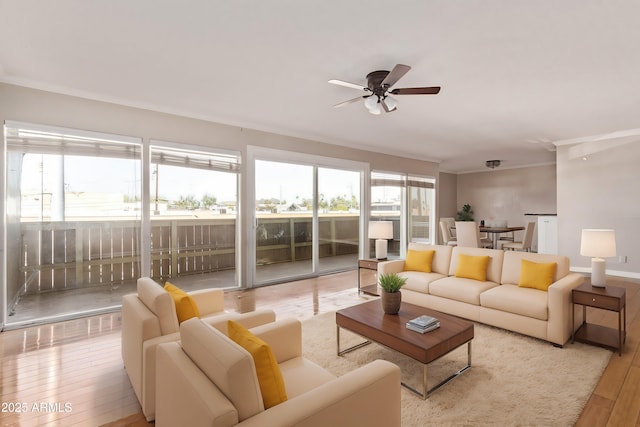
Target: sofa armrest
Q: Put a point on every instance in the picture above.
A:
(393, 266)
(138, 325)
(209, 301)
(284, 337)
(560, 322)
(368, 396)
(248, 320)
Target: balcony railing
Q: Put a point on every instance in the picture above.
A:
(73, 254)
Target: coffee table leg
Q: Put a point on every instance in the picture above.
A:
(350, 349)
(426, 392)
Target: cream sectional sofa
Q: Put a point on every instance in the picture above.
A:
(498, 301)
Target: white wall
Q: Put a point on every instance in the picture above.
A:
(508, 194)
(602, 191)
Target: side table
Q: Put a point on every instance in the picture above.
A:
(612, 298)
(368, 265)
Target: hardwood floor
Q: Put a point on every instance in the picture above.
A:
(71, 373)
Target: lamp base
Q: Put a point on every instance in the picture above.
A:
(598, 270)
(381, 249)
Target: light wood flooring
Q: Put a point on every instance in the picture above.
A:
(71, 373)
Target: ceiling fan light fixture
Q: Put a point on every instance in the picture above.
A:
(376, 110)
(370, 102)
(391, 103)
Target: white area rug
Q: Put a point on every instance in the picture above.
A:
(514, 380)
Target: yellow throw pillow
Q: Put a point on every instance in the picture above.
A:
(419, 261)
(536, 275)
(186, 307)
(472, 267)
(267, 369)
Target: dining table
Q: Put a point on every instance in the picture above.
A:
(496, 231)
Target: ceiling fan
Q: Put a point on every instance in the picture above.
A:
(378, 89)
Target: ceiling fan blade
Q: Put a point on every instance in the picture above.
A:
(347, 84)
(416, 91)
(351, 101)
(396, 74)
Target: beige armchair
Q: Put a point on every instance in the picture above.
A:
(149, 318)
(196, 389)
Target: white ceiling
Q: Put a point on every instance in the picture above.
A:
(511, 71)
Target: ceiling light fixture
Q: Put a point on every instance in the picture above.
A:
(492, 163)
(372, 103)
(390, 102)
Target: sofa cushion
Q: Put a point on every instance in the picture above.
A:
(418, 281)
(537, 275)
(511, 269)
(419, 261)
(472, 267)
(159, 302)
(229, 366)
(441, 257)
(494, 269)
(269, 375)
(302, 375)
(460, 289)
(513, 299)
(186, 307)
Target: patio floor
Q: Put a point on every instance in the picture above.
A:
(49, 307)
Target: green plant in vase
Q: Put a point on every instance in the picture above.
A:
(391, 296)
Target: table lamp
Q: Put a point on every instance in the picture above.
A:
(381, 231)
(598, 243)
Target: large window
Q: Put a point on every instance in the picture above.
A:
(194, 212)
(408, 202)
(307, 215)
(73, 212)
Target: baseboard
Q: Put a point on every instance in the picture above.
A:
(616, 273)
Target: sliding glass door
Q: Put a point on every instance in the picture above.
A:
(409, 203)
(73, 216)
(284, 208)
(307, 216)
(339, 219)
(194, 216)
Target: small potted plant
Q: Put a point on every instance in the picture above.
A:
(391, 296)
(466, 214)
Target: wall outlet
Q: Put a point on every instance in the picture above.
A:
(622, 259)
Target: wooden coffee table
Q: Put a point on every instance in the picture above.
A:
(369, 321)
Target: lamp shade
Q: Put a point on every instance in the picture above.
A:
(380, 230)
(598, 243)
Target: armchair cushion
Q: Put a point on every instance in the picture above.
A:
(186, 307)
(269, 376)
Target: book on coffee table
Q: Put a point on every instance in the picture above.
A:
(423, 324)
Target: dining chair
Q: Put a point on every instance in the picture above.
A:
(506, 237)
(447, 236)
(468, 234)
(525, 245)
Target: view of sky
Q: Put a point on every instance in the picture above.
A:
(41, 173)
